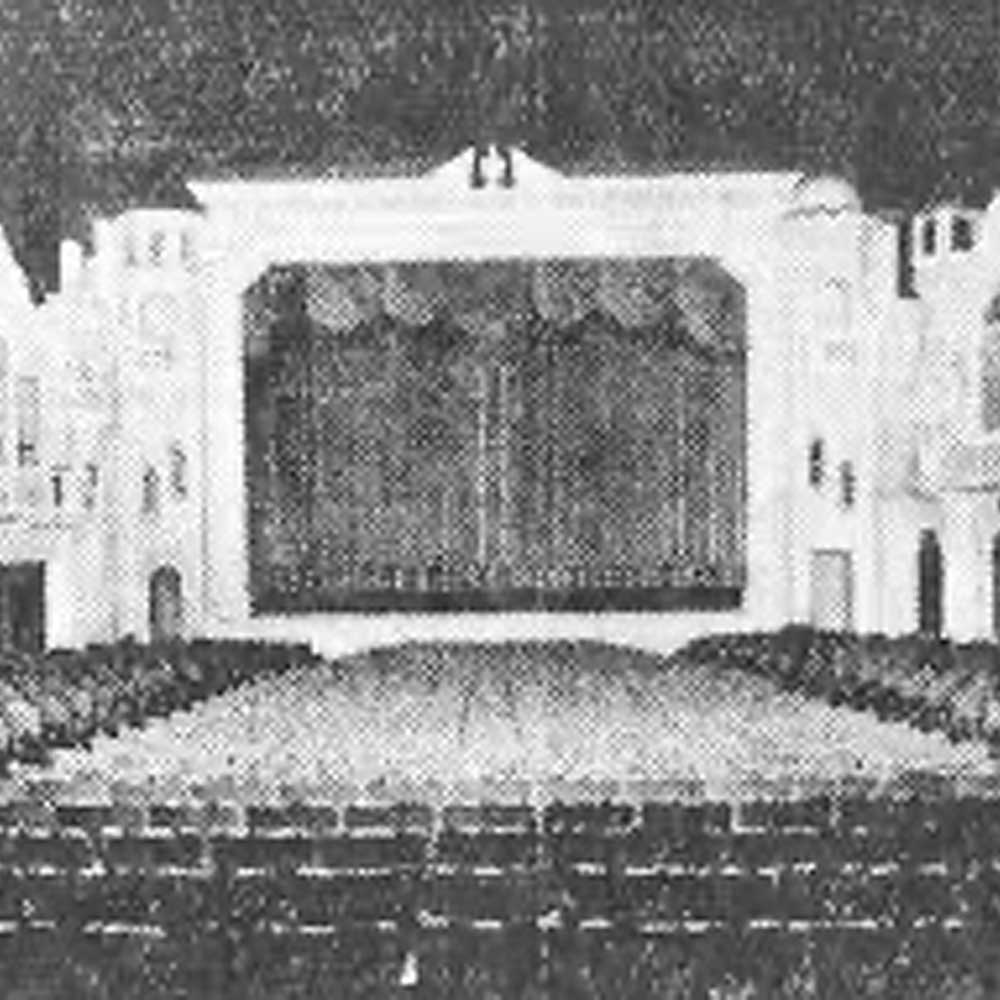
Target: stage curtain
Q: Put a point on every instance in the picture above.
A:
(535, 426)
(618, 466)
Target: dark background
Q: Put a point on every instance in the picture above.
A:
(106, 103)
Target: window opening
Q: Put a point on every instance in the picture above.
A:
(930, 237)
(91, 478)
(150, 491)
(158, 248)
(848, 484)
(29, 419)
(962, 237)
(178, 471)
(905, 275)
(816, 462)
(58, 488)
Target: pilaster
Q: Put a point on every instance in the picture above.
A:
(225, 581)
(770, 525)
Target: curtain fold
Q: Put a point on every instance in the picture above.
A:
(477, 427)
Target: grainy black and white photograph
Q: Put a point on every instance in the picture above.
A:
(499, 499)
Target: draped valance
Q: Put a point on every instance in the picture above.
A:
(696, 298)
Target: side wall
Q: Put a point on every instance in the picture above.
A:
(115, 357)
(935, 459)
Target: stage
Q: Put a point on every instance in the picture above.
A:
(344, 634)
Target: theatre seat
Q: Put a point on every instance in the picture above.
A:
(856, 895)
(247, 851)
(31, 960)
(811, 813)
(89, 819)
(751, 851)
(151, 851)
(51, 896)
(63, 852)
(361, 852)
(486, 848)
(746, 896)
(345, 897)
(265, 818)
(594, 896)
(977, 824)
(586, 818)
(122, 898)
(464, 896)
(800, 896)
(684, 821)
(489, 816)
(402, 817)
(690, 896)
(641, 889)
(303, 819)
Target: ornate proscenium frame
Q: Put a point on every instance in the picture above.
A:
(440, 219)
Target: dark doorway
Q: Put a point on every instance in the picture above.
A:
(22, 606)
(166, 608)
(931, 584)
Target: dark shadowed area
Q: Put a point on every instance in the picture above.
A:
(107, 103)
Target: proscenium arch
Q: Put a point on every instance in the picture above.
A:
(244, 236)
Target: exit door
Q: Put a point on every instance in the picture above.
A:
(22, 607)
(832, 596)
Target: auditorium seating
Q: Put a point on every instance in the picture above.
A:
(842, 884)
(64, 698)
(841, 887)
(930, 683)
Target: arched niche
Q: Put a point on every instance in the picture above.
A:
(166, 604)
(930, 584)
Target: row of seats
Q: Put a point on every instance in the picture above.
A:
(901, 816)
(65, 698)
(515, 962)
(899, 897)
(931, 683)
(956, 833)
(752, 852)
